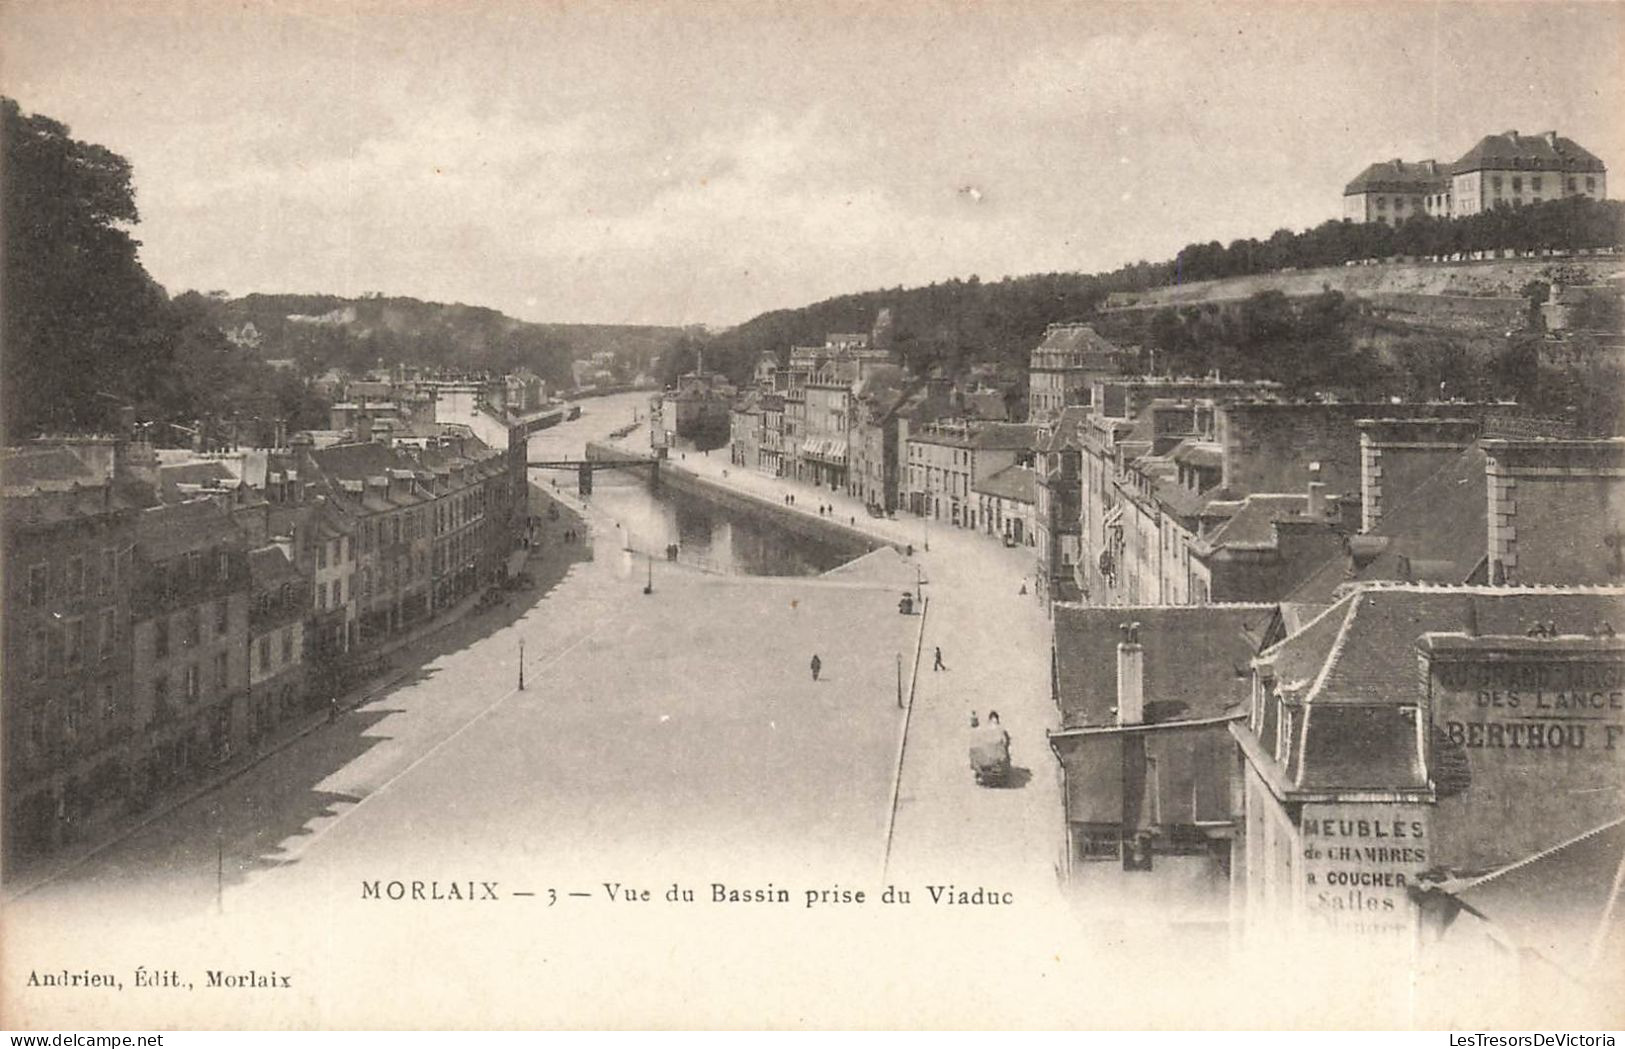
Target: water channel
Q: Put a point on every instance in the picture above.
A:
(707, 535)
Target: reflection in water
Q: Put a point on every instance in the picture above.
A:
(708, 535)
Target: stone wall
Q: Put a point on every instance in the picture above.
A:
(1556, 511)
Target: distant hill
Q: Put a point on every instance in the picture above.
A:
(326, 331)
(953, 324)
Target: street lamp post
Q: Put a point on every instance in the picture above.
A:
(918, 596)
(521, 664)
(649, 587)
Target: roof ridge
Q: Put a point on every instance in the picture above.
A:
(1322, 614)
(1336, 652)
(1473, 883)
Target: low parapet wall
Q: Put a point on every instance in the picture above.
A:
(797, 522)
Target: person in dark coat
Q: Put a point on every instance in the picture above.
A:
(939, 664)
(817, 665)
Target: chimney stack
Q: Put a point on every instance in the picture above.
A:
(1130, 676)
(1317, 500)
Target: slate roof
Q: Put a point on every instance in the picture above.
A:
(1359, 651)
(1005, 437)
(1196, 659)
(1186, 503)
(1252, 526)
(357, 460)
(1437, 530)
(1075, 338)
(1564, 903)
(1013, 482)
(166, 531)
(1530, 152)
(269, 567)
(1066, 432)
(1399, 176)
(25, 467)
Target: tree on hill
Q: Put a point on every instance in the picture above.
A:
(83, 323)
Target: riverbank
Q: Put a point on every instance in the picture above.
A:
(792, 518)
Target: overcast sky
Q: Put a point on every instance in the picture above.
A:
(687, 162)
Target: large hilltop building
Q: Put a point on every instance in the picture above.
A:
(1509, 168)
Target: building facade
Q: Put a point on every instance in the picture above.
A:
(1507, 170)
(1064, 367)
(68, 724)
(190, 609)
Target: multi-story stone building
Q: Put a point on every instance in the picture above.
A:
(947, 459)
(824, 445)
(1392, 191)
(278, 681)
(1413, 742)
(190, 608)
(886, 404)
(1519, 169)
(468, 546)
(745, 430)
(68, 723)
(771, 453)
(378, 486)
(1065, 366)
(1507, 169)
(1058, 504)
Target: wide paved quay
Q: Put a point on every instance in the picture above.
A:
(994, 640)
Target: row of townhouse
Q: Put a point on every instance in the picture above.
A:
(1388, 704)
(951, 471)
(165, 613)
(844, 416)
(1197, 500)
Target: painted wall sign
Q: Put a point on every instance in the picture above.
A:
(1533, 706)
(1359, 862)
(1527, 751)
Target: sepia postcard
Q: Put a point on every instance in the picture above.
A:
(835, 515)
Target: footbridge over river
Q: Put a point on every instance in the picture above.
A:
(584, 467)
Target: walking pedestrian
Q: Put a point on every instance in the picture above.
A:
(817, 665)
(974, 723)
(939, 664)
